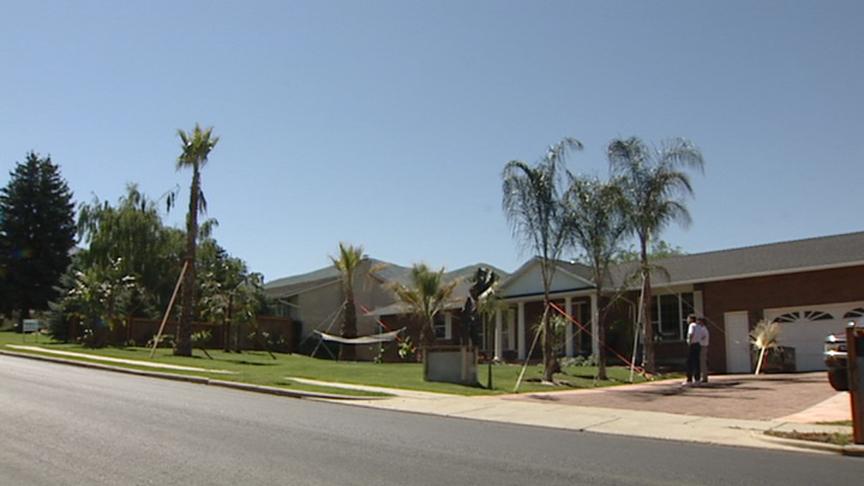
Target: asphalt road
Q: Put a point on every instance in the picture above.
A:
(67, 425)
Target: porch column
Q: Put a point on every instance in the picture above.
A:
(595, 321)
(498, 337)
(520, 330)
(568, 330)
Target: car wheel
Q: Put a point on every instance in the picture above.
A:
(838, 379)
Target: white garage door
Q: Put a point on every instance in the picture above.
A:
(805, 328)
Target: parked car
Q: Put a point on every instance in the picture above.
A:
(836, 361)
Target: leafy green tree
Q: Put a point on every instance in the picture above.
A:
(535, 210)
(131, 234)
(229, 292)
(196, 146)
(105, 295)
(37, 233)
(426, 296)
(658, 250)
(655, 182)
(598, 225)
(346, 262)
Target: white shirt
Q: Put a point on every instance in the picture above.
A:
(692, 333)
(704, 335)
(697, 333)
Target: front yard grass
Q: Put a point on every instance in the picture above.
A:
(835, 438)
(259, 368)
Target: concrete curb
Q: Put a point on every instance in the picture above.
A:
(270, 390)
(848, 450)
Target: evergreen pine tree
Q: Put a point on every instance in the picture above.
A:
(37, 232)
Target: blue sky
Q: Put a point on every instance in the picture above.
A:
(388, 123)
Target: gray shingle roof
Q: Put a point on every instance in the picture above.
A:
(389, 272)
(796, 255)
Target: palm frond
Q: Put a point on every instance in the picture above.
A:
(765, 335)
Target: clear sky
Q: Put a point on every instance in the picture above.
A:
(388, 123)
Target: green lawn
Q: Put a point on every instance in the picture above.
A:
(837, 422)
(259, 368)
(836, 438)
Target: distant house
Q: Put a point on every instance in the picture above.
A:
(812, 287)
(315, 299)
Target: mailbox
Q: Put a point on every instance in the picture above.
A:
(855, 351)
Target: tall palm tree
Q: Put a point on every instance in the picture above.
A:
(655, 182)
(196, 146)
(347, 262)
(426, 296)
(598, 225)
(533, 205)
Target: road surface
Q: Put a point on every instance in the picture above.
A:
(68, 425)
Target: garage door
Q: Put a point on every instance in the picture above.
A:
(805, 328)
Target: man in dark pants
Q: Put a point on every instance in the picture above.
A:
(693, 351)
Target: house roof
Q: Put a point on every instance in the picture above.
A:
(385, 271)
(750, 261)
(288, 286)
(783, 257)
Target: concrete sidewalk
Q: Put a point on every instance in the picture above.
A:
(655, 425)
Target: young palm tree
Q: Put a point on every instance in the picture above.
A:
(655, 182)
(426, 296)
(533, 205)
(196, 146)
(598, 223)
(347, 262)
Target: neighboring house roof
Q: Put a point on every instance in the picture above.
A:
(387, 273)
(288, 286)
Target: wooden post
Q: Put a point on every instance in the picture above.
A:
(761, 359)
(168, 310)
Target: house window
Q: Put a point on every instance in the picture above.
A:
(582, 339)
(857, 312)
(804, 316)
(442, 325)
(508, 325)
(287, 307)
(669, 315)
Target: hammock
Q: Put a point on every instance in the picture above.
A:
(370, 339)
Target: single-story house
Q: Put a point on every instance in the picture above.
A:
(315, 299)
(812, 287)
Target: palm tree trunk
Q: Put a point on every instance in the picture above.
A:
(550, 361)
(601, 337)
(648, 362)
(226, 325)
(349, 325)
(183, 345)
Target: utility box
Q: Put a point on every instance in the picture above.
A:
(855, 350)
(450, 364)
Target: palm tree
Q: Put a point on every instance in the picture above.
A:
(655, 183)
(196, 147)
(598, 223)
(347, 262)
(533, 205)
(426, 296)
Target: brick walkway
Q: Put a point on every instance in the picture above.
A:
(746, 397)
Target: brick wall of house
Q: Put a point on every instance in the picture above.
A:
(789, 290)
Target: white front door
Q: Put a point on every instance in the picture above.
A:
(737, 342)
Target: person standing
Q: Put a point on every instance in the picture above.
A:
(704, 341)
(693, 350)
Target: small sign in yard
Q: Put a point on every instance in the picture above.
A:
(32, 325)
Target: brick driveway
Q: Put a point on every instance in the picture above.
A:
(730, 396)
